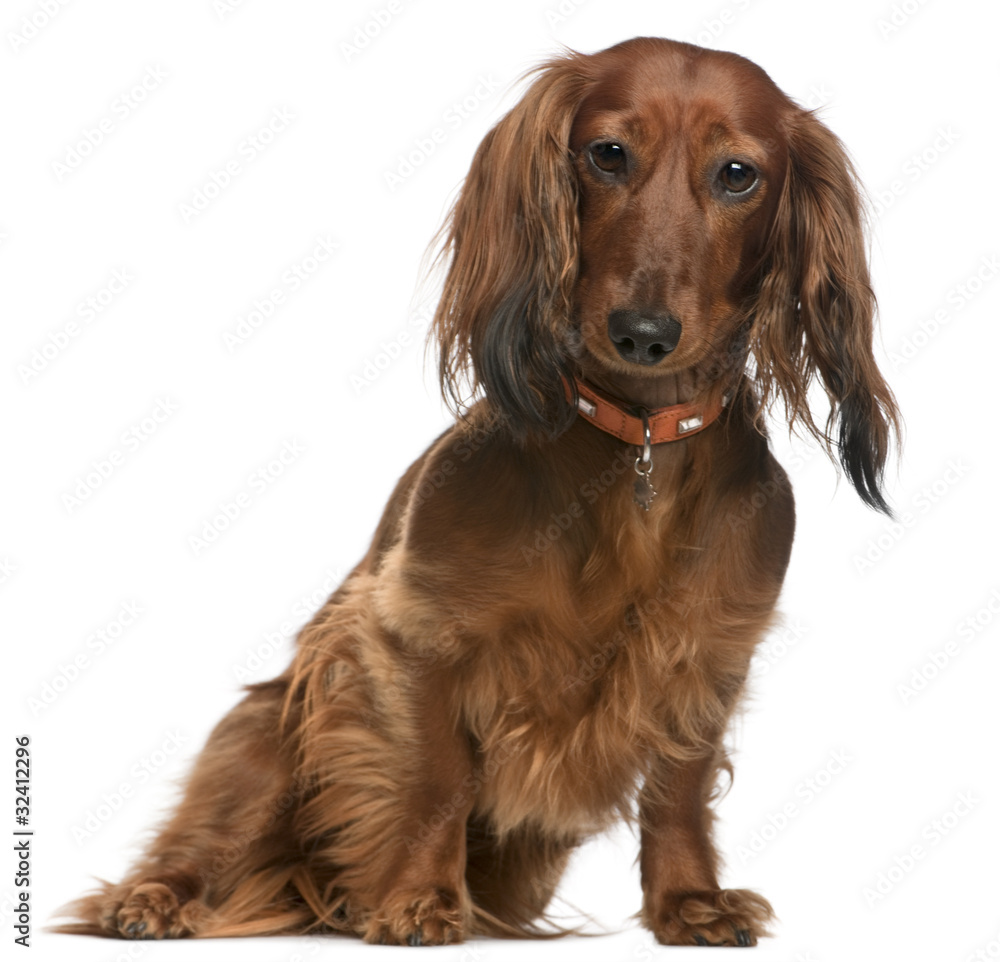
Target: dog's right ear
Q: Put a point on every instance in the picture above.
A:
(512, 238)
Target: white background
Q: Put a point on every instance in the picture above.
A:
(914, 102)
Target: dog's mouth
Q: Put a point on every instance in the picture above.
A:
(652, 358)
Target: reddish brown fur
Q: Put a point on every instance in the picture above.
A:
(524, 655)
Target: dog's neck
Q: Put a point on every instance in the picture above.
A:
(682, 387)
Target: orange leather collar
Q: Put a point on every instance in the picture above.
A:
(671, 423)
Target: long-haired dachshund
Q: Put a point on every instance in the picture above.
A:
(556, 616)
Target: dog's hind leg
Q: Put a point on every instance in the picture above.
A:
(209, 867)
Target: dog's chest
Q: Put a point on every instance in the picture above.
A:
(568, 719)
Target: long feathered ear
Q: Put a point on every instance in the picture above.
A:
(814, 316)
(512, 239)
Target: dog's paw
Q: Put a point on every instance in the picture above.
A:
(724, 917)
(433, 918)
(150, 910)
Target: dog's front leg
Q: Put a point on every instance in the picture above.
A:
(682, 901)
(418, 893)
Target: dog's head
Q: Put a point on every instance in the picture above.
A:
(658, 208)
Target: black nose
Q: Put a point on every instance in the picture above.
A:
(643, 338)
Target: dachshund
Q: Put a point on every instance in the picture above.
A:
(555, 619)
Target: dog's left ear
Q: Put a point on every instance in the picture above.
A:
(512, 238)
(814, 314)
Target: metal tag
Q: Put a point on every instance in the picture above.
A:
(643, 491)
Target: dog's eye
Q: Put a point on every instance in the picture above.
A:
(737, 177)
(608, 156)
